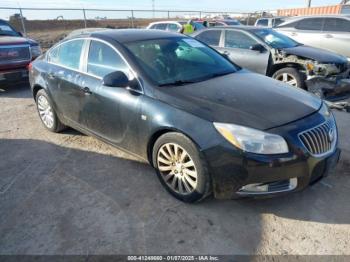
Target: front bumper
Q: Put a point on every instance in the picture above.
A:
(332, 88)
(232, 170)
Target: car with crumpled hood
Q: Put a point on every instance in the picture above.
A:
(265, 51)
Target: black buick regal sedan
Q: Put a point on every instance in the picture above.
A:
(205, 125)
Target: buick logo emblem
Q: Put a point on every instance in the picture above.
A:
(331, 135)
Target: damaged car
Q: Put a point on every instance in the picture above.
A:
(268, 52)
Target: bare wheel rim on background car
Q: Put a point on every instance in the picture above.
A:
(45, 111)
(288, 79)
(177, 168)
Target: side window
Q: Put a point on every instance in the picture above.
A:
(263, 22)
(337, 25)
(69, 53)
(103, 60)
(210, 37)
(314, 24)
(235, 39)
(153, 27)
(173, 27)
(52, 56)
(161, 26)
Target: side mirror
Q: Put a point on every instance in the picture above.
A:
(20, 34)
(258, 47)
(116, 79)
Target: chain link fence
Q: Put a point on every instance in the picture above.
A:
(49, 25)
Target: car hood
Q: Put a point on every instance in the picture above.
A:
(317, 54)
(13, 40)
(242, 98)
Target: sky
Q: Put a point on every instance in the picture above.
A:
(232, 5)
(200, 5)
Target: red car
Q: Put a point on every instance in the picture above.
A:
(16, 53)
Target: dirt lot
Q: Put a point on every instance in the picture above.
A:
(71, 194)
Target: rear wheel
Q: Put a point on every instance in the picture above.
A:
(46, 112)
(290, 76)
(180, 167)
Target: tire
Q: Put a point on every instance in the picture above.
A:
(49, 117)
(290, 76)
(192, 180)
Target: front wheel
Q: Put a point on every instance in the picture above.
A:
(290, 76)
(180, 167)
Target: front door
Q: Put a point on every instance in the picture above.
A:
(237, 47)
(110, 112)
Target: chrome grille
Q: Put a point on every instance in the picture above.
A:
(14, 53)
(320, 139)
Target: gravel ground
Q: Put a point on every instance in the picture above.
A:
(72, 194)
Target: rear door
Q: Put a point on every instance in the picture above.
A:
(336, 35)
(65, 78)
(236, 45)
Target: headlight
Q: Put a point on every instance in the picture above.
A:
(310, 66)
(35, 50)
(252, 140)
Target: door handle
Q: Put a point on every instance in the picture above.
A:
(294, 34)
(87, 90)
(328, 36)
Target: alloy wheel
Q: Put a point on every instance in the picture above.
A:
(177, 168)
(45, 111)
(288, 79)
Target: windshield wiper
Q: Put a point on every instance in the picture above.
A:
(178, 83)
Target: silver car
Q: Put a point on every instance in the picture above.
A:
(270, 21)
(330, 32)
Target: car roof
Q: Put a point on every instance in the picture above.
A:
(293, 18)
(130, 35)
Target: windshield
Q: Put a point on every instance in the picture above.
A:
(5, 29)
(178, 61)
(275, 39)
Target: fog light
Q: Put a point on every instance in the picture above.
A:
(255, 188)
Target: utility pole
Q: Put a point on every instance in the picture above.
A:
(308, 3)
(153, 7)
